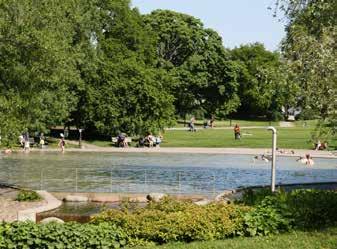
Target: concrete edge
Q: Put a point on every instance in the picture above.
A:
(30, 214)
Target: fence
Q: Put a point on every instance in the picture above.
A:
(114, 180)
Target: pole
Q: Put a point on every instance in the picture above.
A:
(80, 139)
(273, 163)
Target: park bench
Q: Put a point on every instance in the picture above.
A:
(31, 142)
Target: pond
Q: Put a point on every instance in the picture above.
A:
(154, 172)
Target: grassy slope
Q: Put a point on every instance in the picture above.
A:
(296, 240)
(260, 138)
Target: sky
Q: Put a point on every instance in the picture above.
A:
(237, 21)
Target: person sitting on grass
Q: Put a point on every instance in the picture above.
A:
(321, 146)
(149, 140)
(192, 125)
(121, 140)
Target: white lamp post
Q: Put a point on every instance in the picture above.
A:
(273, 165)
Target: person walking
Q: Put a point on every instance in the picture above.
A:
(237, 133)
(26, 142)
(62, 142)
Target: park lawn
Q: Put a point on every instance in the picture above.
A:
(246, 123)
(230, 123)
(291, 138)
(326, 239)
(296, 138)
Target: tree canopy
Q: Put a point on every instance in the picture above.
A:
(310, 49)
(203, 76)
(102, 66)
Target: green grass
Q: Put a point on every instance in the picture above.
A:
(245, 123)
(296, 240)
(291, 138)
(296, 138)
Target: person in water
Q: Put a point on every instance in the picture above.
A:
(62, 142)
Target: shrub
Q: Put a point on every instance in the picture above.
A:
(68, 235)
(170, 220)
(269, 217)
(28, 195)
(280, 211)
(252, 197)
(313, 208)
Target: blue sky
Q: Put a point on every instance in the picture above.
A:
(237, 21)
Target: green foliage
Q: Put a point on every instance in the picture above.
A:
(280, 211)
(27, 195)
(203, 78)
(313, 208)
(326, 239)
(170, 220)
(269, 217)
(310, 52)
(37, 65)
(123, 91)
(68, 235)
(263, 88)
(253, 197)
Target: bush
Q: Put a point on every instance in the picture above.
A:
(170, 220)
(27, 195)
(269, 217)
(304, 209)
(68, 235)
(252, 197)
(313, 208)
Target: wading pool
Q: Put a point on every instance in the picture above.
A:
(154, 172)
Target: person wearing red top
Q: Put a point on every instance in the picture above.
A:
(237, 133)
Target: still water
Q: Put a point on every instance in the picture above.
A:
(154, 172)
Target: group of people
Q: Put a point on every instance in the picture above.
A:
(25, 141)
(150, 140)
(307, 159)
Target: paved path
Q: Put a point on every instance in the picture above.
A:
(9, 207)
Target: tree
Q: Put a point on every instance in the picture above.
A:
(123, 91)
(311, 51)
(37, 65)
(263, 88)
(203, 77)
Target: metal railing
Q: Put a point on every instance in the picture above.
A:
(116, 180)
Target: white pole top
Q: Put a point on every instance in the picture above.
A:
(272, 128)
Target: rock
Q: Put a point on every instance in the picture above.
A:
(155, 196)
(203, 202)
(225, 194)
(76, 198)
(51, 219)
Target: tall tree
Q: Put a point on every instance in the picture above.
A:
(123, 91)
(311, 51)
(37, 65)
(263, 88)
(203, 76)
